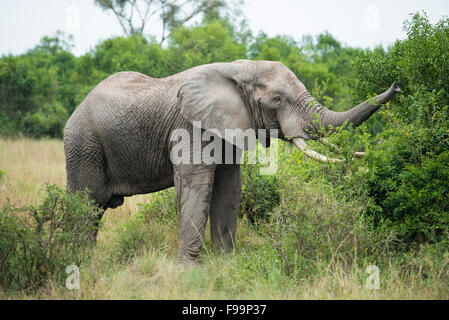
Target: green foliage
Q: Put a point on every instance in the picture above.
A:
(320, 214)
(259, 193)
(310, 226)
(35, 89)
(48, 120)
(146, 229)
(206, 43)
(37, 243)
(131, 238)
(163, 206)
(409, 167)
(132, 53)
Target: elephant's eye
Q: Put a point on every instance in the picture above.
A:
(277, 100)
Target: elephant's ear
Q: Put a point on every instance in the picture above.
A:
(212, 99)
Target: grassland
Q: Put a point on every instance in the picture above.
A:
(135, 257)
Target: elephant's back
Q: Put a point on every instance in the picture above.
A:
(129, 101)
(130, 114)
(128, 82)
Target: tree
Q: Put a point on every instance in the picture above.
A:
(209, 42)
(134, 15)
(60, 41)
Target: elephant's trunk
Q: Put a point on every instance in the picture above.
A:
(355, 116)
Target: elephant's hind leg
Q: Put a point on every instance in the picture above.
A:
(86, 169)
(225, 205)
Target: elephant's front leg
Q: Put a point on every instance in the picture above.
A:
(194, 189)
(225, 205)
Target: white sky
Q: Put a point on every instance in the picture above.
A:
(361, 23)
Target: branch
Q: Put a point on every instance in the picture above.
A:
(338, 150)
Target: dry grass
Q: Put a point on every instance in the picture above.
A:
(247, 273)
(29, 164)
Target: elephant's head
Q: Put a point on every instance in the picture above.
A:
(264, 95)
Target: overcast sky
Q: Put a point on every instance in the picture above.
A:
(361, 23)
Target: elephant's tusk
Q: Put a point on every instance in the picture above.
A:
(301, 145)
(338, 150)
(360, 154)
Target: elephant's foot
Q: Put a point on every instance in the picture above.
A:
(188, 261)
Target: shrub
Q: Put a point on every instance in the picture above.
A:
(149, 227)
(259, 193)
(310, 226)
(39, 242)
(410, 195)
(163, 206)
(409, 165)
(130, 239)
(321, 213)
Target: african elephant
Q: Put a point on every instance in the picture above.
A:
(117, 142)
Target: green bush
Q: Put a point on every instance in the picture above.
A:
(259, 193)
(212, 41)
(149, 228)
(163, 206)
(310, 226)
(130, 239)
(321, 212)
(409, 165)
(411, 195)
(39, 242)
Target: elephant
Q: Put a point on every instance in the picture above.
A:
(117, 141)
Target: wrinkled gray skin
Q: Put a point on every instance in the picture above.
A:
(117, 141)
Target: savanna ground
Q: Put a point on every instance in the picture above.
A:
(135, 257)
